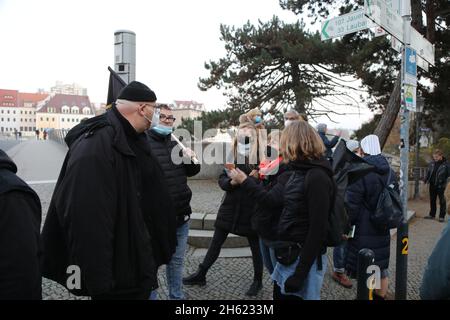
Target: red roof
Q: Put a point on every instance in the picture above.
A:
(60, 100)
(33, 98)
(8, 98)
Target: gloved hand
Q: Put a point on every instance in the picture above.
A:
(293, 284)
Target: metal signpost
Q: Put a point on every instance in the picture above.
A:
(394, 16)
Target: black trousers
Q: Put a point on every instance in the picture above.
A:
(434, 193)
(219, 238)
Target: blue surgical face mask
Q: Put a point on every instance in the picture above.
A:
(258, 119)
(162, 130)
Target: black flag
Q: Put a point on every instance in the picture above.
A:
(116, 84)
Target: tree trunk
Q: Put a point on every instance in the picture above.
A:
(416, 14)
(431, 16)
(389, 116)
(299, 99)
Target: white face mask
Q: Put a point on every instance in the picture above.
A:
(287, 122)
(243, 149)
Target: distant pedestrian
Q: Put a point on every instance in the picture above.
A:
(436, 278)
(361, 202)
(45, 134)
(437, 177)
(329, 145)
(15, 133)
(37, 134)
(20, 249)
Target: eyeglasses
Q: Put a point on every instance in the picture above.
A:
(168, 118)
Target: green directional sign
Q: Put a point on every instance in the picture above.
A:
(345, 24)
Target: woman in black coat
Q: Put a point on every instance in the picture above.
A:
(361, 201)
(235, 212)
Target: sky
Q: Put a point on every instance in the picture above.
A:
(73, 41)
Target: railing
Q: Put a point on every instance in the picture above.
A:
(421, 171)
(58, 135)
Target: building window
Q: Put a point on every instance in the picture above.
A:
(47, 119)
(53, 119)
(62, 119)
(21, 128)
(42, 119)
(20, 112)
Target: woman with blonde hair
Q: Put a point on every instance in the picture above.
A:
(236, 209)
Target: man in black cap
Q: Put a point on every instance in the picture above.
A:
(110, 215)
(20, 223)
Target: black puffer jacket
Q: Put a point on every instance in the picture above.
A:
(20, 248)
(237, 208)
(176, 174)
(361, 200)
(269, 202)
(308, 196)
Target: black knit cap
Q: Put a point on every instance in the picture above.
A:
(137, 91)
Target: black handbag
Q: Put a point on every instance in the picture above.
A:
(287, 255)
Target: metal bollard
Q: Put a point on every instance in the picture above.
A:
(401, 267)
(366, 257)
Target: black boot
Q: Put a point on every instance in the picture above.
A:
(198, 278)
(255, 287)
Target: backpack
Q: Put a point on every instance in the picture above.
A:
(388, 213)
(338, 221)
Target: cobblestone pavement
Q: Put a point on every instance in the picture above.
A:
(229, 278)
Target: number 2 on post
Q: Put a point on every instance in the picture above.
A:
(405, 247)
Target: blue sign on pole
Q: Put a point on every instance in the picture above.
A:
(410, 66)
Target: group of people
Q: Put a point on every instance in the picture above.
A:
(44, 134)
(121, 208)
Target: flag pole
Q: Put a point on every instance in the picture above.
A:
(193, 158)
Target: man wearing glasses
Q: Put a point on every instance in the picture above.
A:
(110, 222)
(176, 173)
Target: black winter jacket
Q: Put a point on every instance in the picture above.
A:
(237, 208)
(96, 220)
(269, 202)
(308, 196)
(20, 247)
(441, 176)
(361, 200)
(176, 174)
